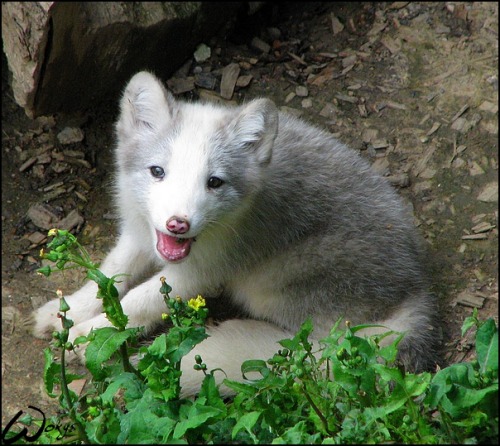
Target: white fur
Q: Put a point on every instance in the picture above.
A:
(300, 228)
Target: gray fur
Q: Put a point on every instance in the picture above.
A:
(302, 227)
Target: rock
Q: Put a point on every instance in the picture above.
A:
(71, 221)
(244, 81)
(28, 163)
(205, 80)
(329, 111)
(381, 166)
(70, 135)
(36, 238)
(307, 103)
(260, 45)
(42, 217)
(301, 91)
(230, 75)
(202, 53)
(489, 107)
(65, 56)
(337, 26)
(489, 193)
(274, 33)
(180, 85)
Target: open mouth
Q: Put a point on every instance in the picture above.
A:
(172, 248)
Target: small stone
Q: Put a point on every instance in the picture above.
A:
(401, 180)
(274, 33)
(180, 85)
(475, 169)
(301, 91)
(428, 173)
(41, 216)
(489, 193)
(260, 45)
(459, 124)
(347, 98)
(202, 53)
(72, 220)
(394, 46)
(291, 111)
(289, 97)
(205, 80)
(230, 75)
(349, 61)
(369, 135)
(489, 107)
(70, 135)
(381, 166)
(328, 111)
(44, 158)
(380, 144)
(36, 237)
(28, 163)
(482, 227)
(307, 103)
(337, 26)
(244, 81)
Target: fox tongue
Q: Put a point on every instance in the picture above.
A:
(172, 248)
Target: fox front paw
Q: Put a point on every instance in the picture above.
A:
(45, 320)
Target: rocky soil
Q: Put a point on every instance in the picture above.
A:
(412, 86)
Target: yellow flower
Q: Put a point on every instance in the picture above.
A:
(197, 303)
(53, 231)
(164, 316)
(41, 252)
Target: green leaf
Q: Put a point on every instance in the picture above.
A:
(195, 336)
(247, 422)
(451, 388)
(210, 391)
(469, 322)
(241, 388)
(300, 338)
(298, 434)
(51, 372)
(106, 341)
(487, 345)
(254, 365)
(132, 385)
(144, 424)
(80, 340)
(197, 415)
(105, 428)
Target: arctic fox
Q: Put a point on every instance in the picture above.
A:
(259, 207)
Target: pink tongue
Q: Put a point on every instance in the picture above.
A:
(172, 248)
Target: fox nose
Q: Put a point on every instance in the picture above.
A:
(177, 225)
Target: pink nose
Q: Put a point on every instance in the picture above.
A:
(177, 225)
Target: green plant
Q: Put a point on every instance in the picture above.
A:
(343, 389)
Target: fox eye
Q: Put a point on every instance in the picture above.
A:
(214, 182)
(157, 171)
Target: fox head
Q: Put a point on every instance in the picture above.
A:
(183, 166)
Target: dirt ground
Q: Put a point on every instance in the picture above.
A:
(412, 86)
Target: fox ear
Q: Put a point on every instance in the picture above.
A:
(146, 106)
(255, 128)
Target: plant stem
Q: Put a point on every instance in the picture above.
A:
(318, 412)
(71, 407)
(126, 362)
